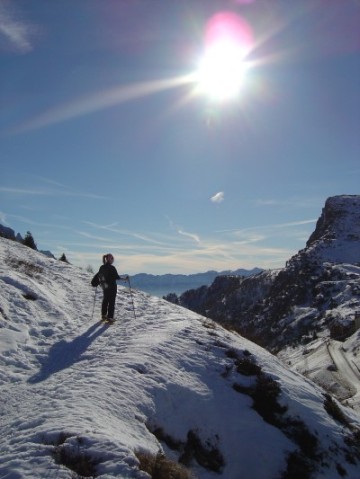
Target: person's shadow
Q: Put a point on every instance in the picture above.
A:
(64, 354)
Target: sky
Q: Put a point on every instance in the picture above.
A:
(109, 142)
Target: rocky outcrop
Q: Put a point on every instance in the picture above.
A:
(6, 232)
(337, 234)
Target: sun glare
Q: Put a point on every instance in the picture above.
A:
(221, 71)
(222, 68)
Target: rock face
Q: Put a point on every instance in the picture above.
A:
(337, 234)
(317, 293)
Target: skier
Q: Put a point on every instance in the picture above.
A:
(108, 276)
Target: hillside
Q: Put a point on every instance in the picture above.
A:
(77, 393)
(308, 305)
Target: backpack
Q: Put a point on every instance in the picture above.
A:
(96, 280)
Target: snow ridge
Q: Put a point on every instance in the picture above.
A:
(168, 373)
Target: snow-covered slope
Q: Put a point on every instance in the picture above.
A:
(75, 392)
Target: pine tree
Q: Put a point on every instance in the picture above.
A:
(29, 241)
(63, 258)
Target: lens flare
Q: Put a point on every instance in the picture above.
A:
(231, 27)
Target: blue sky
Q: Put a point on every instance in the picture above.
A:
(107, 146)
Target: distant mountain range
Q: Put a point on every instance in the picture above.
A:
(161, 285)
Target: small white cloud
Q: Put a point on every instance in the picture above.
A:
(218, 198)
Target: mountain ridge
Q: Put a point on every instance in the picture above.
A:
(167, 381)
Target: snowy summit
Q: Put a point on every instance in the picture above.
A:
(337, 234)
(163, 389)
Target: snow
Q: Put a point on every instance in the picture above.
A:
(103, 389)
(339, 242)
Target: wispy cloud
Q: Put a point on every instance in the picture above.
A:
(289, 202)
(193, 236)
(276, 226)
(212, 255)
(182, 232)
(49, 192)
(22, 191)
(178, 251)
(218, 197)
(31, 222)
(112, 228)
(50, 181)
(131, 258)
(15, 34)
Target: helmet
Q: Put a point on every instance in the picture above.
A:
(108, 258)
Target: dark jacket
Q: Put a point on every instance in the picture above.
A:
(108, 276)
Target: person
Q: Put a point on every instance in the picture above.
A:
(108, 276)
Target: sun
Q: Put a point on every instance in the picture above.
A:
(222, 68)
(221, 71)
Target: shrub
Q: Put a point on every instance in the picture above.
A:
(160, 467)
(29, 269)
(298, 467)
(342, 472)
(74, 458)
(161, 435)
(334, 410)
(206, 455)
(232, 354)
(172, 298)
(209, 324)
(265, 396)
(353, 443)
(297, 430)
(247, 367)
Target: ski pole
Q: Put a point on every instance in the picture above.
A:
(131, 296)
(92, 314)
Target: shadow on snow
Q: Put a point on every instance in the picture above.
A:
(64, 354)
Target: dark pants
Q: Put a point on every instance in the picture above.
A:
(108, 303)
